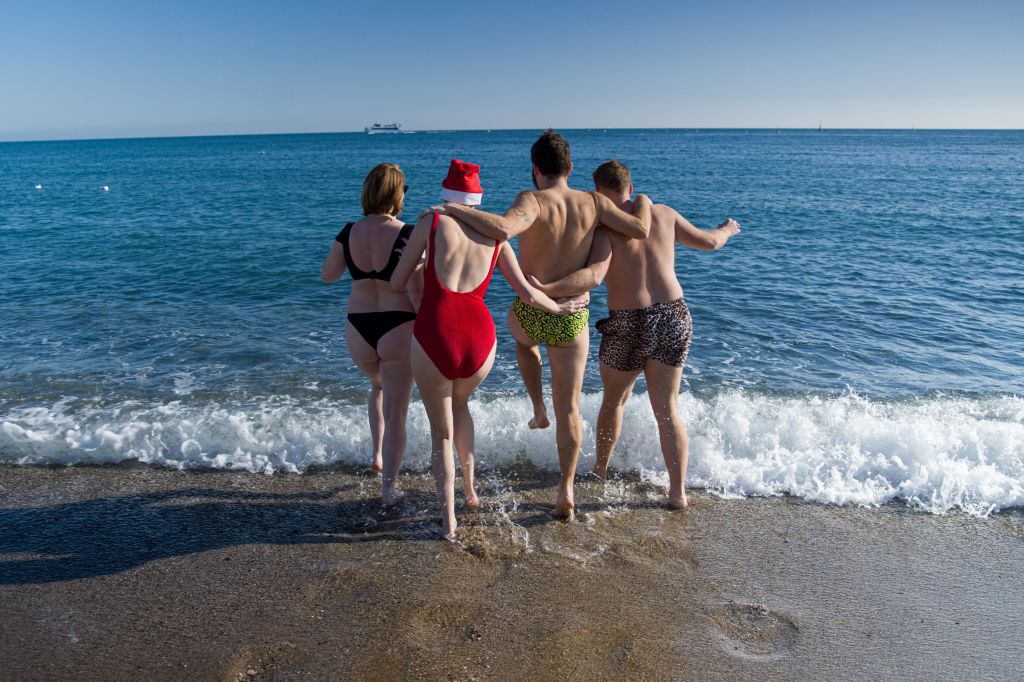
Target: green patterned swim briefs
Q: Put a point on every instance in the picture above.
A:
(543, 327)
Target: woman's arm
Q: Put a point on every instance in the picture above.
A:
(530, 295)
(334, 265)
(411, 254)
(586, 278)
(414, 287)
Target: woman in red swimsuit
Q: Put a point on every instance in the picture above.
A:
(453, 337)
(379, 319)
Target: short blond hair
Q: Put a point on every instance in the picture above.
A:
(383, 190)
(613, 175)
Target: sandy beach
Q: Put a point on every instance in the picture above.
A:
(132, 572)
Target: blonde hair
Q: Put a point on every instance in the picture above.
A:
(383, 190)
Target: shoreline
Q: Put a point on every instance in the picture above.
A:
(131, 571)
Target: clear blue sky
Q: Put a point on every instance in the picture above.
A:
(93, 68)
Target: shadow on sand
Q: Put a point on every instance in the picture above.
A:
(83, 539)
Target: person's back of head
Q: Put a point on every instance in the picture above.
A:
(612, 179)
(550, 154)
(383, 190)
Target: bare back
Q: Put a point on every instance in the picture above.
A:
(371, 244)
(559, 240)
(462, 256)
(642, 271)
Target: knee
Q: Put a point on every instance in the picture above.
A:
(439, 437)
(396, 411)
(569, 411)
(667, 416)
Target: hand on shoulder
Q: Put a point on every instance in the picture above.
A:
(431, 210)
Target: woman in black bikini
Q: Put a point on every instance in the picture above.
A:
(379, 320)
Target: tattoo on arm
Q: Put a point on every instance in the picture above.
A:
(523, 215)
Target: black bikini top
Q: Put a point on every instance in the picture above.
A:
(396, 254)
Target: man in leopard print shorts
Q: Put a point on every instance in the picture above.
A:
(648, 327)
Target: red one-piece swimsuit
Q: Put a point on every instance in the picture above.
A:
(455, 329)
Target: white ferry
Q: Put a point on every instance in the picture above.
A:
(384, 128)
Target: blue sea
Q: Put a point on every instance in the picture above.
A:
(860, 342)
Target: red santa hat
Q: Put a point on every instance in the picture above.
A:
(462, 186)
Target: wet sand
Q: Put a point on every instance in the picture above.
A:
(128, 573)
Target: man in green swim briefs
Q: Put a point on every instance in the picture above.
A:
(555, 225)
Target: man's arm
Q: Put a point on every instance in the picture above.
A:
(704, 240)
(635, 226)
(586, 278)
(528, 293)
(517, 219)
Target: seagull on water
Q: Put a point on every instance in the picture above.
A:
(38, 186)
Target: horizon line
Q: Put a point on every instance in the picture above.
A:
(488, 130)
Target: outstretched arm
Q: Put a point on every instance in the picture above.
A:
(704, 240)
(411, 254)
(586, 278)
(516, 220)
(531, 296)
(334, 265)
(635, 226)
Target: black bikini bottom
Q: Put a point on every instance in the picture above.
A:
(372, 326)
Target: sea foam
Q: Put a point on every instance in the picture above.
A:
(936, 454)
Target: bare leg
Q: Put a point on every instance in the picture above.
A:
(617, 388)
(663, 388)
(530, 367)
(464, 434)
(436, 392)
(366, 359)
(396, 376)
(375, 413)
(568, 363)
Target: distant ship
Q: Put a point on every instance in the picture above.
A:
(384, 128)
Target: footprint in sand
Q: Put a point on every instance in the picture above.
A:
(754, 631)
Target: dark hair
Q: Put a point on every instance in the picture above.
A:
(383, 190)
(613, 175)
(550, 153)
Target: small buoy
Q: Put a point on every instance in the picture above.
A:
(38, 186)
(105, 188)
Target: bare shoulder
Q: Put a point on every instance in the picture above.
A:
(425, 221)
(663, 211)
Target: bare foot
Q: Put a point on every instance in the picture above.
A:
(677, 502)
(564, 510)
(473, 500)
(378, 463)
(390, 498)
(449, 534)
(600, 472)
(539, 421)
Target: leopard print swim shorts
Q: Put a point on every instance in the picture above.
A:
(662, 332)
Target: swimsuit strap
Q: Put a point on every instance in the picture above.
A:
(482, 289)
(343, 237)
(430, 248)
(432, 269)
(396, 254)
